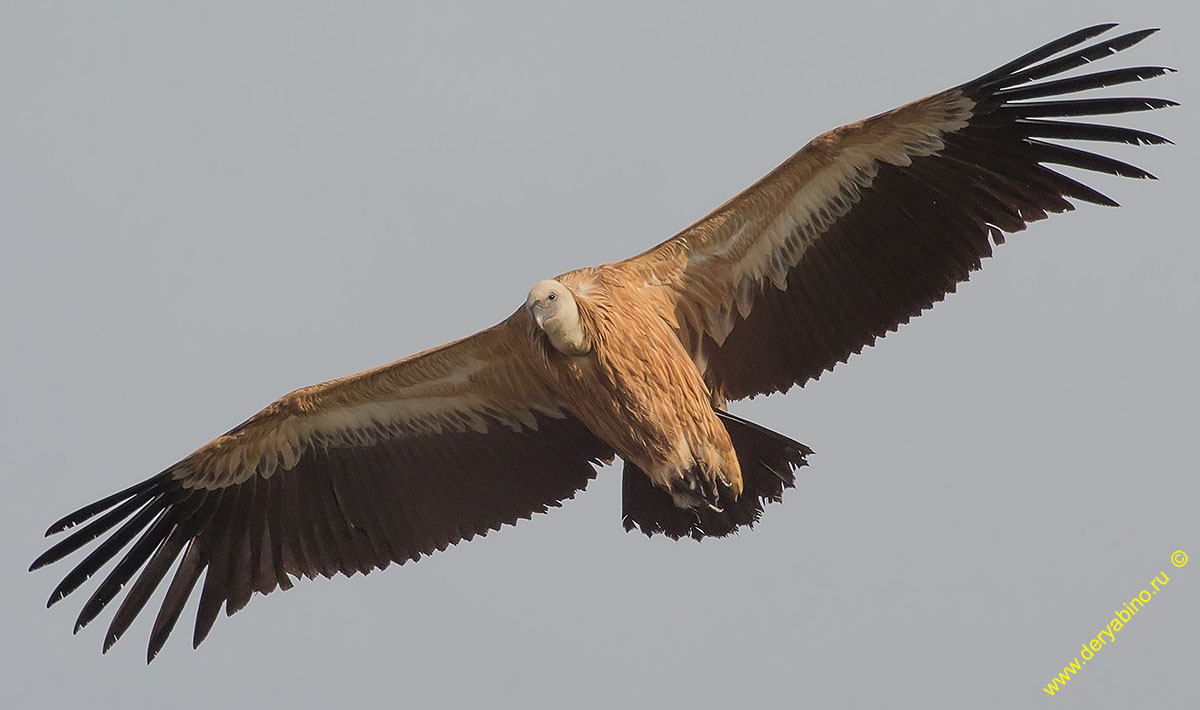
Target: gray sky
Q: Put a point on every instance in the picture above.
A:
(204, 209)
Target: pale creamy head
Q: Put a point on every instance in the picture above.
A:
(554, 309)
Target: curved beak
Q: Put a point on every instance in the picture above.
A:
(538, 311)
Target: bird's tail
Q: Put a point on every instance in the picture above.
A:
(767, 460)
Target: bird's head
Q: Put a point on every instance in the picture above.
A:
(554, 309)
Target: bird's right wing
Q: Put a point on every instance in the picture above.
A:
(345, 476)
(873, 222)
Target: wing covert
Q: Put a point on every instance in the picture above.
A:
(343, 477)
(872, 223)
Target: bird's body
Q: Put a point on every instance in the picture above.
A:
(861, 230)
(648, 402)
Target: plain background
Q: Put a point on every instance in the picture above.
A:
(204, 209)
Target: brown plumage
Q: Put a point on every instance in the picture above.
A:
(864, 228)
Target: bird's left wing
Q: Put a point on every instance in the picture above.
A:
(872, 223)
(345, 476)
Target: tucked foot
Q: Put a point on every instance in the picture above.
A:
(767, 460)
(695, 490)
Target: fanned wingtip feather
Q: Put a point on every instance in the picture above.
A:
(64, 589)
(91, 510)
(110, 639)
(74, 518)
(1046, 51)
(219, 555)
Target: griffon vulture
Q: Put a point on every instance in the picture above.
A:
(862, 229)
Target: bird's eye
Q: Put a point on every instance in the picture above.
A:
(551, 297)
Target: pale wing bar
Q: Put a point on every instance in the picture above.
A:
(919, 229)
(343, 509)
(349, 501)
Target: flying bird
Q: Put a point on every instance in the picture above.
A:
(864, 228)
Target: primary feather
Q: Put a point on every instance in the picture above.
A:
(859, 231)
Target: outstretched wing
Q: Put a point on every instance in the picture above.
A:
(346, 476)
(870, 224)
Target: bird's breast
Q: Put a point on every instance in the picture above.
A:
(638, 390)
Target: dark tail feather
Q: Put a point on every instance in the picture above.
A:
(767, 460)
